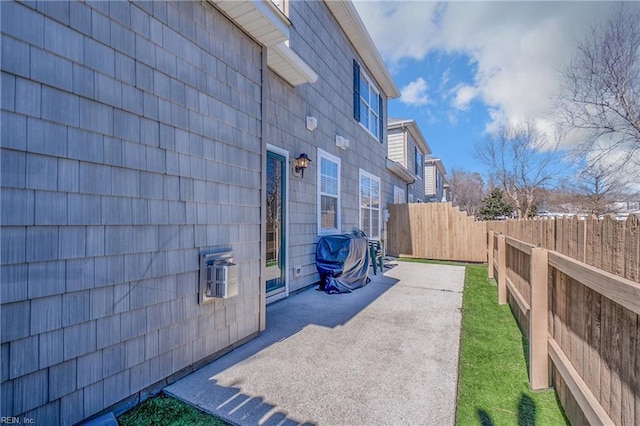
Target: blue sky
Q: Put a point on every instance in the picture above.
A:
(465, 68)
(450, 132)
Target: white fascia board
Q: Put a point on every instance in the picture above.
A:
(412, 128)
(351, 23)
(401, 171)
(261, 19)
(286, 63)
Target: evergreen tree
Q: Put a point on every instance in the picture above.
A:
(495, 205)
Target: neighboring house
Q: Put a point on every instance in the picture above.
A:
(407, 152)
(135, 137)
(436, 188)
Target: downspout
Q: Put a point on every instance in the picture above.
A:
(405, 142)
(262, 282)
(407, 191)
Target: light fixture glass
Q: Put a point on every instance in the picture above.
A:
(302, 162)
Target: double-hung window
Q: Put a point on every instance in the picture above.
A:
(328, 193)
(419, 167)
(370, 205)
(367, 103)
(399, 196)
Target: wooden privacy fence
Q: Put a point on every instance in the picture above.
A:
(608, 244)
(582, 323)
(435, 231)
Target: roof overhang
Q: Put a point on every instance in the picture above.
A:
(288, 65)
(400, 171)
(438, 163)
(415, 131)
(263, 21)
(348, 18)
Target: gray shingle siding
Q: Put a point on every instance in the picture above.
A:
(120, 136)
(318, 39)
(133, 135)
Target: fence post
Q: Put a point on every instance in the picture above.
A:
(490, 255)
(502, 270)
(538, 346)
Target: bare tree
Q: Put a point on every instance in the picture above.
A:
(467, 189)
(599, 98)
(596, 187)
(521, 160)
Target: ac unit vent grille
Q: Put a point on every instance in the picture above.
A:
(218, 277)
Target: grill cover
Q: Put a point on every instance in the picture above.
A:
(343, 262)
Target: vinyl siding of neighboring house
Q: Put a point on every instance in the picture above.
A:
(429, 182)
(397, 146)
(133, 138)
(416, 188)
(434, 181)
(402, 149)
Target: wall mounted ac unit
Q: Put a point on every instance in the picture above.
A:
(218, 276)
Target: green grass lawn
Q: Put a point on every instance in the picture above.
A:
(166, 411)
(493, 382)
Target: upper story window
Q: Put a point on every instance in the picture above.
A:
(282, 5)
(328, 193)
(419, 166)
(367, 103)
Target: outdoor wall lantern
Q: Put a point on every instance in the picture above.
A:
(301, 163)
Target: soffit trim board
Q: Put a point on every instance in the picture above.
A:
(400, 171)
(351, 23)
(289, 65)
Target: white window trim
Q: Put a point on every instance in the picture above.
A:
(285, 201)
(377, 91)
(377, 179)
(420, 171)
(399, 193)
(323, 154)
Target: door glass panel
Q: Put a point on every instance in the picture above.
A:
(276, 254)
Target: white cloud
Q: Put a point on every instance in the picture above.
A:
(415, 93)
(464, 94)
(516, 48)
(393, 23)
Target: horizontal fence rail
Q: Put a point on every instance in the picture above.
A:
(607, 244)
(583, 322)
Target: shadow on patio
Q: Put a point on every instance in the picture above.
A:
(385, 353)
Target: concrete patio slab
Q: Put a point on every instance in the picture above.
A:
(386, 354)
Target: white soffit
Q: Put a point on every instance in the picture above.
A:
(288, 65)
(259, 18)
(270, 27)
(438, 163)
(348, 18)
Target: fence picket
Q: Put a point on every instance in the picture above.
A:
(435, 231)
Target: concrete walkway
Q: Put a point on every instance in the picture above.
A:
(386, 354)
